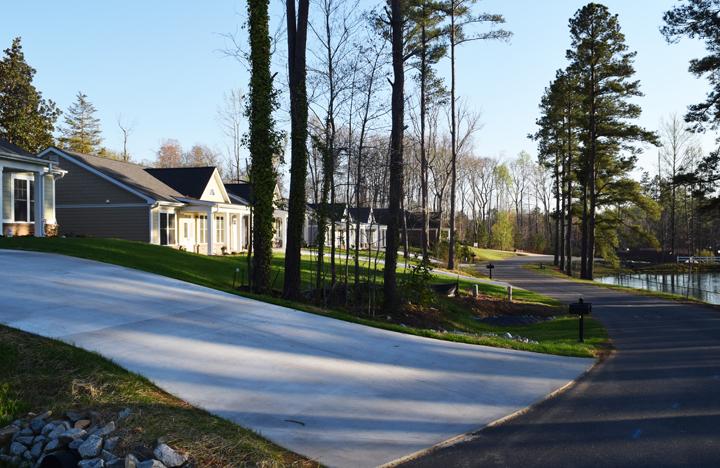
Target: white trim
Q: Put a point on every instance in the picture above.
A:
(104, 205)
(98, 173)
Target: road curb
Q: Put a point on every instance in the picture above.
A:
(468, 436)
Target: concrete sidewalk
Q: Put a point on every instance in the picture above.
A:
(341, 393)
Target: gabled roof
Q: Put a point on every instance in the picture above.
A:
(415, 219)
(131, 176)
(381, 215)
(190, 182)
(7, 147)
(336, 211)
(242, 190)
(360, 214)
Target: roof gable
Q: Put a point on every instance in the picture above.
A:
(193, 182)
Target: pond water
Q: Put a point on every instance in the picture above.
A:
(703, 286)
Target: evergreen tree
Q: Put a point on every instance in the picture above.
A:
(699, 19)
(26, 119)
(263, 141)
(82, 129)
(600, 60)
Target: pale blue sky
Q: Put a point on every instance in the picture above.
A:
(158, 64)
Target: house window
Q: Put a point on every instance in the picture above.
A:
(167, 228)
(220, 230)
(24, 197)
(202, 228)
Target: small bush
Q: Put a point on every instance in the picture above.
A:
(416, 287)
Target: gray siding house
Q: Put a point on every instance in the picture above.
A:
(185, 208)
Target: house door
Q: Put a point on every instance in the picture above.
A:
(187, 233)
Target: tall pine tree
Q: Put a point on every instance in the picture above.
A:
(603, 66)
(26, 119)
(81, 132)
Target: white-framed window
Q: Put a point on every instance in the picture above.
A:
(220, 229)
(167, 229)
(23, 200)
(202, 229)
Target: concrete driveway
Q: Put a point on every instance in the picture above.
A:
(344, 394)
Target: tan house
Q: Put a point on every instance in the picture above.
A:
(186, 208)
(25, 178)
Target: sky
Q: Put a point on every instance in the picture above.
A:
(160, 65)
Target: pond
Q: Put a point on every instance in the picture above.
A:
(703, 286)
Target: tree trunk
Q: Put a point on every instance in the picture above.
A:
(297, 39)
(453, 137)
(396, 156)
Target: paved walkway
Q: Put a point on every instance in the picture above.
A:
(655, 402)
(341, 393)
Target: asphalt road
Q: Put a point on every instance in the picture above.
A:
(654, 402)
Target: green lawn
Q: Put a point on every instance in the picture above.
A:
(484, 255)
(38, 374)
(219, 272)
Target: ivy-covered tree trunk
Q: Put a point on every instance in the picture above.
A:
(262, 141)
(297, 40)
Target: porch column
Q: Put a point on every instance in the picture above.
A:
(238, 234)
(2, 204)
(284, 232)
(209, 233)
(39, 204)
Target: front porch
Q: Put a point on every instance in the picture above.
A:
(27, 196)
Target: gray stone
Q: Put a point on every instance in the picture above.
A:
(5, 458)
(106, 429)
(25, 439)
(507, 335)
(82, 424)
(91, 447)
(36, 449)
(55, 433)
(131, 461)
(40, 438)
(7, 433)
(75, 444)
(151, 464)
(53, 445)
(47, 428)
(74, 415)
(36, 425)
(111, 443)
(26, 431)
(115, 463)
(27, 455)
(168, 456)
(72, 434)
(107, 455)
(17, 448)
(92, 463)
(124, 414)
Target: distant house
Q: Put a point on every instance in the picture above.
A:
(187, 208)
(414, 222)
(372, 233)
(242, 193)
(24, 179)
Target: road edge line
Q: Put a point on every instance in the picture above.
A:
(468, 436)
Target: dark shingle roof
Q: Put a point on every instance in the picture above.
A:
(415, 219)
(382, 216)
(189, 181)
(130, 174)
(7, 147)
(335, 210)
(360, 214)
(243, 190)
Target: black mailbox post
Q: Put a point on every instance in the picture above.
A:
(490, 267)
(581, 309)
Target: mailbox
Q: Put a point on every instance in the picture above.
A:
(490, 267)
(582, 309)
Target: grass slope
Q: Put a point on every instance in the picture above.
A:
(38, 373)
(556, 337)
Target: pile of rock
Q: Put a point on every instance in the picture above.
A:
(80, 436)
